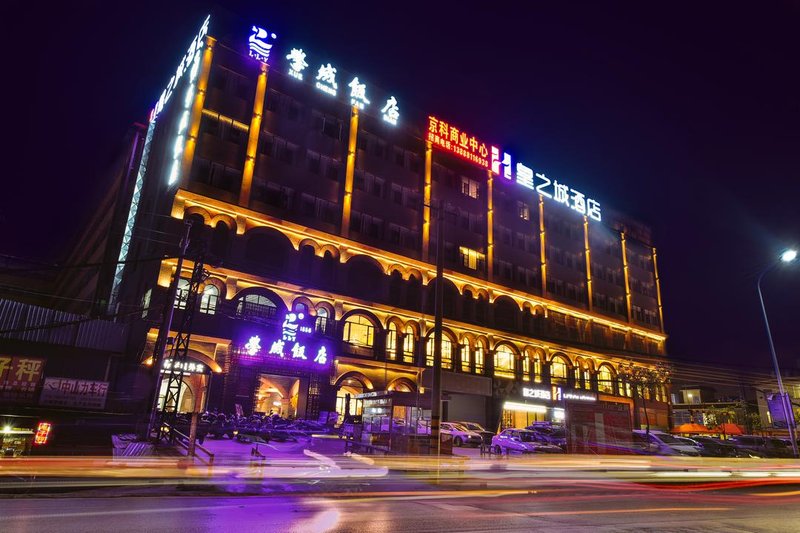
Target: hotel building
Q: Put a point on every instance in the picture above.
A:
(314, 193)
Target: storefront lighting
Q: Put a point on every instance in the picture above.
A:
(525, 407)
(558, 414)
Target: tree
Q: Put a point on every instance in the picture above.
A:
(642, 377)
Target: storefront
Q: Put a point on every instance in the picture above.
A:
(527, 405)
(282, 370)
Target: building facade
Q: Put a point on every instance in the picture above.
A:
(318, 202)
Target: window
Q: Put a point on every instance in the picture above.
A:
(537, 369)
(479, 358)
(558, 371)
(526, 368)
(391, 342)
(182, 294)
(208, 301)
(504, 362)
(523, 210)
(256, 307)
(408, 345)
(447, 352)
(146, 302)
(313, 160)
(321, 323)
(605, 380)
(358, 331)
(472, 259)
(469, 187)
(466, 355)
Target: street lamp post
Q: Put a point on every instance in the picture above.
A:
(786, 257)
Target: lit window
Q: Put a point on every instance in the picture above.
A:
(466, 354)
(469, 187)
(146, 302)
(472, 259)
(523, 210)
(447, 352)
(558, 371)
(208, 302)
(526, 368)
(358, 331)
(391, 342)
(256, 307)
(182, 293)
(504, 362)
(321, 323)
(408, 345)
(537, 369)
(605, 380)
(479, 356)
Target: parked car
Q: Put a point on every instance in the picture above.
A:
(479, 429)
(660, 443)
(718, 448)
(556, 435)
(693, 443)
(764, 446)
(521, 441)
(461, 435)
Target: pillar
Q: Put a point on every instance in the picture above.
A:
(197, 111)
(426, 203)
(252, 138)
(350, 168)
(626, 276)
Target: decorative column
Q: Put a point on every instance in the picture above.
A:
(658, 292)
(489, 225)
(252, 138)
(426, 203)
(349, 171)
(587, 255)
(197, 111)
(626, 276)
(542, 245)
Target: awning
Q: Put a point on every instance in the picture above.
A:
(691, 428)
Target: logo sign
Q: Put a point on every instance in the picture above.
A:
(295, 343)
(19, 377)
(541, 394)
(259, 44)
(188, 367)
(458, 142)
(67, 392)
(558, 394)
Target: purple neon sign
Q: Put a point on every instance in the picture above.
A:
(295, 343)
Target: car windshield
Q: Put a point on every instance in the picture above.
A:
(473, 426)
(669, 439)
(527, 436)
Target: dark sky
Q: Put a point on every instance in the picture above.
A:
(686, 116)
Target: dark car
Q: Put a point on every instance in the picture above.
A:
(717, 448)
(763, 446)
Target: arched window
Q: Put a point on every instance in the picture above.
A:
(219, 240)
(256, 307)
(447, 352)
(558, 371)
(408, 345)
(466, 355)
(605, 380)
(359, 331)
(526, 368)
(504, 362)
(480, 357)
(321, 323)
(391, 342)
(208, 301)
(537, 369)
(182, 293)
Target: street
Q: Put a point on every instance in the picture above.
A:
(549, 508)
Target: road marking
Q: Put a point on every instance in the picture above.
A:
(613, 511)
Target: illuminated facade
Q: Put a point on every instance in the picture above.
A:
(316, 194)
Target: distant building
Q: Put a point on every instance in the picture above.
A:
(317, 194)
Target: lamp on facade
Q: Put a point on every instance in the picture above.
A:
(787, 256)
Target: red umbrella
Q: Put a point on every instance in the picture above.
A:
(729, 429)
(691, 428)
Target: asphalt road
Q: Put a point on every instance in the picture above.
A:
(552, 508)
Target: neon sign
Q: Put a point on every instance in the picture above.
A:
(297, 63)
(391, 112)
(358, 93)
(295, 342)
(557, 394)
(187, 367)
(186, 61)
(253, 345)
(457, 142)
(326, 79)
(42, 433)
(258, 44)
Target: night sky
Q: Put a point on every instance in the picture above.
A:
(684, 116)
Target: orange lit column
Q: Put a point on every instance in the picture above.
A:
(426, 203)
(252, 139)
(588, 255)
(197, 111)
(350, 168)
(658, 291)
(625, 274)
(542, 245)
(489, 225)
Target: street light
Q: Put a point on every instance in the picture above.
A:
(786, 257)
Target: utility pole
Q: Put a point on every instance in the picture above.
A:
(436, 393)
(163, 333)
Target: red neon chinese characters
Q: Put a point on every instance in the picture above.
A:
(449, 138)
(42, 433)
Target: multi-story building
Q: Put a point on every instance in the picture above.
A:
(318, 196)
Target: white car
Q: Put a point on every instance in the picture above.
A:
(662, 443)
(521, 441)
(461, 435)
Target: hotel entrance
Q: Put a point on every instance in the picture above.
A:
(282, 395)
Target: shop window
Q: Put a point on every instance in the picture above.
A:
(504, 360)
(359, 331)
(558, 372)
(466, 355)
(447, 352)
(480, 357)
(256, 307)
(605, 380)
(408, 345)
(391, 342)
(182, 294)
(208, 301)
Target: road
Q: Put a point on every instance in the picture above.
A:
(551, 508)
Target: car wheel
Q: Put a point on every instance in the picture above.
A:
(457, 441)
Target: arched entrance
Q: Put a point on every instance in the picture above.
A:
(346, 389)
(277, 395)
